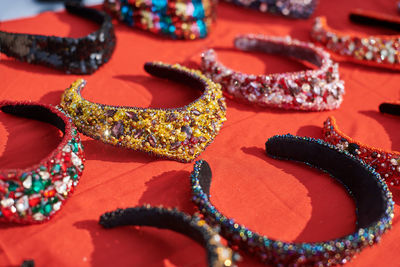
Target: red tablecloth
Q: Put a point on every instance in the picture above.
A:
(280, 199)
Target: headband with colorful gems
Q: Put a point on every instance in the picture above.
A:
(36, 193)
(297, 9)
(189, 19)
(78, 56)
(197, 229)
(386, 163)
(378, 50)
(313, 90)
(180, 133)
(372, 198)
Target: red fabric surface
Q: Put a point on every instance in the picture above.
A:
(280, 199)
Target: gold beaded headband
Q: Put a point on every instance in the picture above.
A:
(180, 134)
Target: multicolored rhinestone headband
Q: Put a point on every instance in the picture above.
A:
(77, 56)
(372, 198)
(179, 133)
(378, 50)
(386, 163)
(189, 19)
(197, 229)
(36, 193)
(312, 90)
(297, 9)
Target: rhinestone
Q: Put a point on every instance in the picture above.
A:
(67, 149)
(61, 188)
(7, 202)
(45, 175)
(369, 55)
(57, 206)
(306, 87)
(38, 216)
(22, 204)
(75, 160)
(27, 183)
(391, 58)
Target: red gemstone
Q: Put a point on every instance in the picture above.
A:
(67, 157)
(6, 212)
(34, 200)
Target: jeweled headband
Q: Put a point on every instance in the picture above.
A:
(36, 193)
(197, 229)
(372, 198)
(72, 55)
(313, 90)
(189, 19)
(375, 50)
(180, 133)
(386, 163)
(298, 9)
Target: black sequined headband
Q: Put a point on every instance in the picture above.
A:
(192, 226)
(372, 198)
(72, 55)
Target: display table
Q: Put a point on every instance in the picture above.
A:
(282, 200)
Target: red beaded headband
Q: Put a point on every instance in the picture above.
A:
(314, 90)
(378, 50)
(36, 193)
(386, 163)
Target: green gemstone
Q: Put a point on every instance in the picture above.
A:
(43, 168)
(74, 145)
(12, 186)
(56, 169)
(47, 183)
(72, 173)
(54, 200)
(37, 208)
(37, 186)
(29, 191)
(47, 209)
(23, 176)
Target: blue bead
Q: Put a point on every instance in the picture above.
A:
(202, 28)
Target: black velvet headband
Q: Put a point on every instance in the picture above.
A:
(372, 198)
(72, 55)
(372, 18)
(390, 108)
(192, 226)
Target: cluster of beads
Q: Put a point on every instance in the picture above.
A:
(281, 253)
(189, 19)
(35, 194)
(218, 255)
(180, 134)
(379, 50)
(387, 164)
(298, 9)
(315, 90)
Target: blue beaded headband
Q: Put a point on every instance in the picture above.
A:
(218, 255)
(373, 201)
